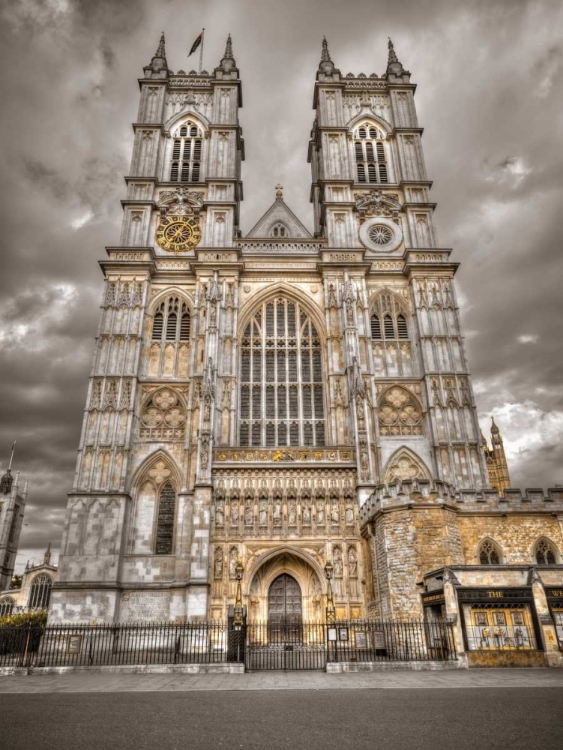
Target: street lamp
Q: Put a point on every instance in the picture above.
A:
(238, 619)
(330, 611)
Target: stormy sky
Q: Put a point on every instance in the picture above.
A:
(490, 88)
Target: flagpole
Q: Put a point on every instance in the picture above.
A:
(201, 50)
(12, 456)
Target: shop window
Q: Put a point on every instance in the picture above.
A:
(492, 628)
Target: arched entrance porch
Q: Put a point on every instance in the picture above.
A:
(285, 587)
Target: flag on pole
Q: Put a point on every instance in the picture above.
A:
(196, 44)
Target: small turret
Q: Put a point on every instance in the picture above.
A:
(394, 67)
(158, 67)
(6, 483)
(47, 555)
(228, 64)
(326, 65)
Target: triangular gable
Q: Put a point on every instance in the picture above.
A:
(279, 212)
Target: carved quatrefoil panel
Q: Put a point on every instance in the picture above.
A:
(399, 413)
(163, 416)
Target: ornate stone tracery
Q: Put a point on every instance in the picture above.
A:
(163, 416)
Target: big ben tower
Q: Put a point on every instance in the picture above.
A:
(249, 395)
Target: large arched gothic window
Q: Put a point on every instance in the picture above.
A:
(186, 154)
(371, 161)
(40, 592)
(281, 391)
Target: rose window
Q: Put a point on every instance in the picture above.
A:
(380, 235)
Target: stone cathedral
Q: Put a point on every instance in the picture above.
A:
(284, 398)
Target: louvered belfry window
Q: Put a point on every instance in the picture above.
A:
(369, 150)
(178, 321)
(281, 377)
(186, 154)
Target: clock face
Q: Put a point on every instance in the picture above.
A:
(177, 234)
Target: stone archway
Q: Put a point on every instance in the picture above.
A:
(296, 568)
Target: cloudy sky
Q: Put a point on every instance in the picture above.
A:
(490, 87)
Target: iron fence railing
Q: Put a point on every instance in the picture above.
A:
(371, 640)
(114, 644)
(257, 645)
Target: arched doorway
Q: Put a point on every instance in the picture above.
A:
(285, 607)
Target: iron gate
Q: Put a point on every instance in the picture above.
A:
(285, 645)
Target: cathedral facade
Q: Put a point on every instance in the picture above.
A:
(284, 398)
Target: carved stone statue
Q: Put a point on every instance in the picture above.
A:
(219, 515)
(306, 515)
(352, 562)
(292, 514)
(234, 514)
(263, 514)
(277, 511)
(233, 555)
(337, 562)
(218, 565)
(334, 514)
(248, 516)
(320, 514)
(349, 516)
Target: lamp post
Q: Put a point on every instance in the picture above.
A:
(239, 611)
(330, 610)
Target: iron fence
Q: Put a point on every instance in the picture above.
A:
(259, 645)
(370, 640)
(114, 644)
(285, 646)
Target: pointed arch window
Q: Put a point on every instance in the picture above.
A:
(489, 553)
(371, 161)
(545, 553)
(40, 592)
(172, 321)
(186, 154)
(281, 373)
(165, 521)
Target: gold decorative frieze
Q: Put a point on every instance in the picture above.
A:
(285, 455)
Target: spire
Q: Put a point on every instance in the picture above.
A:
(392, 54)
(326, 65)
(47, 556)
(228, 63)
(158, 62)
(394, 67)
(494, 429)
(228, 49)
(161, 50)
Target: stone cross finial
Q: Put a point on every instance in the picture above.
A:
(279, 190)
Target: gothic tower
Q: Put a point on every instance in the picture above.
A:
(268, 398)
(12, 507)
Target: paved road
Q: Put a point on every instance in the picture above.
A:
(399, 719)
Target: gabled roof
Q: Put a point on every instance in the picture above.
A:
(279, 212)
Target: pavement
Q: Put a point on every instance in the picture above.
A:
(99, 682)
